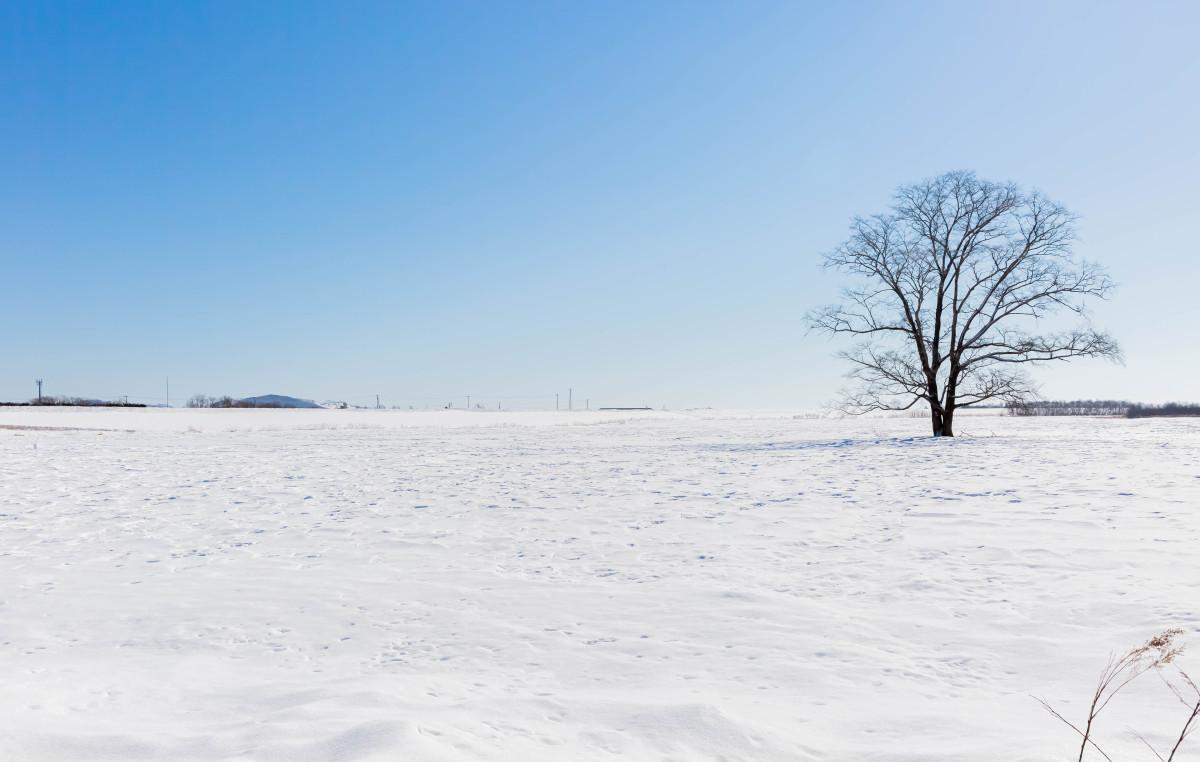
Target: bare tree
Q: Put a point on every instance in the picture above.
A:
(956, 282)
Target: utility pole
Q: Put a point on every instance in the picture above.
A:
(556, 400)
(468, 402)
(39, 383)
(377, 405)
(587, 404)
(168, 399)
(570, 398)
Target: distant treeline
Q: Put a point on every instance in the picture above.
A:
(1068, 407)
(71, 402)
(1164, 410)
(1100, 407)
(201, 400)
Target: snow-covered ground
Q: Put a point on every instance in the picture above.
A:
(361, 585)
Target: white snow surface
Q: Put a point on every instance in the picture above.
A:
(300, 585)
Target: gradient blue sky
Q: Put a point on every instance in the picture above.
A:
(507, 199)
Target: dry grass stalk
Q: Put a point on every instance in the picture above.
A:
(1154, 654)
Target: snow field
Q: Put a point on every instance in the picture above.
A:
(341, 585)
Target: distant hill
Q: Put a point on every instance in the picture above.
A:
(278, 400)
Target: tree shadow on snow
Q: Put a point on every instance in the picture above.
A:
(831, 444)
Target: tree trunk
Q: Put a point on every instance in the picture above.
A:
(951, 392)
(942, 420)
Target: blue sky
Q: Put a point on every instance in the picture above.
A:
(426, 201)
